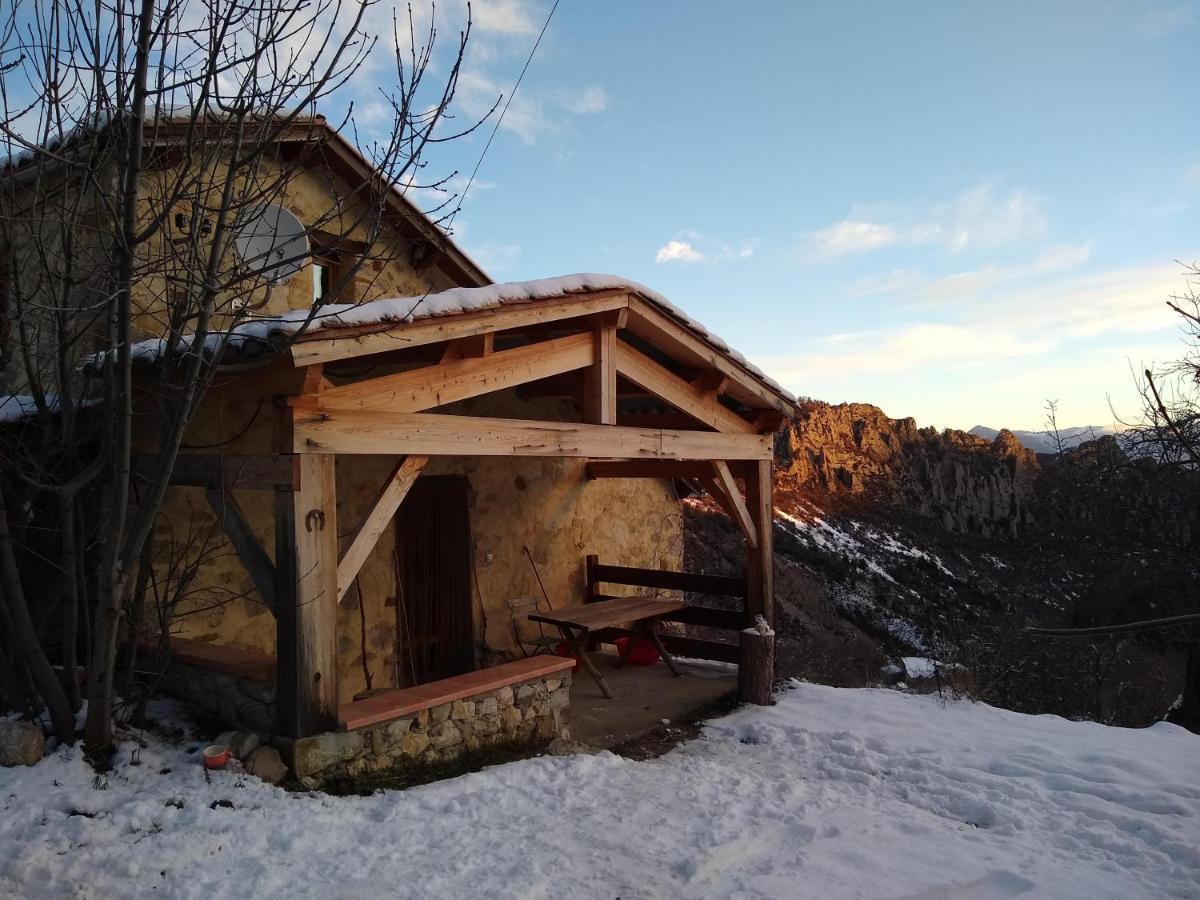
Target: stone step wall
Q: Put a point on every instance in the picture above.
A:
(530, 713)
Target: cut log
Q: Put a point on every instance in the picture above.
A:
(756, 666)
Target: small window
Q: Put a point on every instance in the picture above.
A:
(322, 274)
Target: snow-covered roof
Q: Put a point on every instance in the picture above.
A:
(455, 301)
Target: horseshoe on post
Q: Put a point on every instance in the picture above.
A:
(315, 515)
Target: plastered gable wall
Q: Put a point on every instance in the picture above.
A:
(319, 200)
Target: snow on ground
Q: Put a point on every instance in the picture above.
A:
(830, 793)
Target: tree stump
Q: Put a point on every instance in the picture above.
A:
(756, 665)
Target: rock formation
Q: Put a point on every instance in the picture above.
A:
(966, 483)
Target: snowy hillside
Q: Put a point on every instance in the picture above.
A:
(831, 793)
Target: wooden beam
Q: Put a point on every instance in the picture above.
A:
(646, 468)
(694, 648)
(477, 345)
(771, 420)
(382, 510)
(736, 506)
(711, 382)
(760, 565)
(326, 429)
(651, 324)
(245, 543)
(600, 380)
(700, 405)
(332, 344)
(212, 470)
(458, 379)
(306, 564)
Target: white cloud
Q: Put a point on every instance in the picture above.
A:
(504, 17)
(584, 101)
(442, 196)
(849, 236)
(678, 251)
(732, 252)
(1167, 20)
(997, 324)
(1063, 256)
(478, 93)
(979, 217)
(497, 258)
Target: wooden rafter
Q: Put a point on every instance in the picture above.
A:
(382, 510)
(458, 379)
(245, 543)
(330, 429)
(696, 402)
(651, 324)
(725, 491)
(346, 343)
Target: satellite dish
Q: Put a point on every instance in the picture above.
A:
(271, 242)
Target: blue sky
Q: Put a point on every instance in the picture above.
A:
(952, 210)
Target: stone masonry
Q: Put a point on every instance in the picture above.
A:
(531, 712)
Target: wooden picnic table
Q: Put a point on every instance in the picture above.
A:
(636, 615)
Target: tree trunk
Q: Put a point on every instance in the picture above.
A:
(12, 595)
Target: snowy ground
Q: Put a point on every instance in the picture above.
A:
(831, 793)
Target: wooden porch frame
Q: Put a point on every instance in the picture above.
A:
(399, 483)
(388, 415)
(323, 429)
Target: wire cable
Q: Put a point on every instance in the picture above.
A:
(496, 127)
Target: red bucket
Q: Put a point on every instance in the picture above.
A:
(641, 652)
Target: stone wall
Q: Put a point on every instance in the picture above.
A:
(530, 713)
(233, 701)
(545, 504)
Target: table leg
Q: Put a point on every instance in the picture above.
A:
(652, 633)
(579, 647)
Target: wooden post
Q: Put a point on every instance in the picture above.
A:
(760, 571)
(600, 379)
(306, 595)
(593, 587)
(756, 665)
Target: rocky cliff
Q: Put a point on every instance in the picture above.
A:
(966, 483)
(893, 541)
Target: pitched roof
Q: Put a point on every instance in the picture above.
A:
(336, 321)
(337, 153)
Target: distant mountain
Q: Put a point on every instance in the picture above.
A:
(1040, 442)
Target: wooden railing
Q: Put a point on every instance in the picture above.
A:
(599, 574)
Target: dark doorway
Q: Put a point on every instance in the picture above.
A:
(433, 609)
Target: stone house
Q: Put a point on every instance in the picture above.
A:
(431, 447)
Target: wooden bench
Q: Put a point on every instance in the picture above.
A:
(220, 658)
(599, 575)
(388, 705)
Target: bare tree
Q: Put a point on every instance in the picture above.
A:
(1168, 429)
(141, 137)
